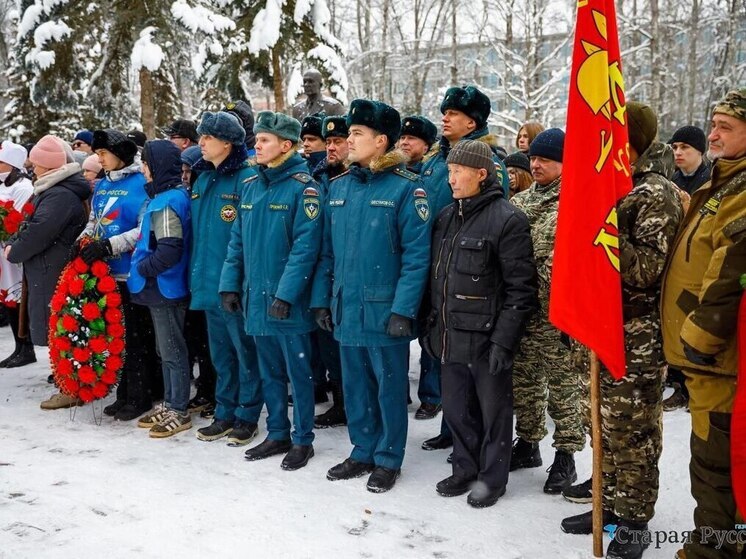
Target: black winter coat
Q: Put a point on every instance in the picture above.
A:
(44, 243)
(483, 280)
(693, 182)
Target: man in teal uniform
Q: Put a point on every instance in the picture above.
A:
(369, 284)
(272, 254)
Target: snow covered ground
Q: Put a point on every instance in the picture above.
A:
(70, 488)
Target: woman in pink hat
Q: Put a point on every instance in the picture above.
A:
(44, 244)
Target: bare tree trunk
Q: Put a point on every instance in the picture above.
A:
(655, 61)
(147, 107)
(277, 82)
(692, 61)
(454, 44)
(385, 51)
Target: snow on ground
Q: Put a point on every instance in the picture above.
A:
(71, 488)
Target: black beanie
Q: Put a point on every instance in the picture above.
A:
(549, 144)
(115, 142)
(518, 160)
(691, 135)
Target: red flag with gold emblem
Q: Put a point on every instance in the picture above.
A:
(586, 293)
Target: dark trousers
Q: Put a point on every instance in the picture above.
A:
(282, 358)
(375, 383)
(428, 389)
(677, 376)
(198, 346)
(141, 381)
(325, 358)
(478, 408)
(13, 314)
(238, 392)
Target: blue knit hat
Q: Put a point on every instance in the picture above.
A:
(223, 126)
(191, 155)
(85, 136)
(376, 115)
(549, 144)
(279, 124)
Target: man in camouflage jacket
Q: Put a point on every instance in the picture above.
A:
(701, 294)
(648, 218)
(544, 378)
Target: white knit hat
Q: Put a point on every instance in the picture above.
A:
(14, 155)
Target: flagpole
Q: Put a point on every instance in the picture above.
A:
(595, 396)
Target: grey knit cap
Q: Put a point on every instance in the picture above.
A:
(472, 153)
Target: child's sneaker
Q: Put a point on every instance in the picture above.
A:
(172, 422)
(152, 418)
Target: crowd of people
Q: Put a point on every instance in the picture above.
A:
(294, 260)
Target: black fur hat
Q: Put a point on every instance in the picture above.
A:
(419, 127)
(335, 126)
(470, 101)
(378, 116)
(311, 125)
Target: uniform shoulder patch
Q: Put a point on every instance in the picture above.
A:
(310, 191)
(338, 176)
(302, 177)
(420, 193)
(409, 175)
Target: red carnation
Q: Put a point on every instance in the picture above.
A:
(100, 390)
(107, 284)
(58, 301)
(116, 346)
(97, 344)
(69, 386)
(91, 311)
(99, 269)
(69, 323)
(7, 204)
(86, 394)
(65, 367)
(81, 354)
(76, 286)
(28, 208)
(80, 266)
(113, 363)
(116, 331)
(54, 354)
(109, 377)
(53, 322)
(62, 343)
(86, 375)
(113, 299)
(113, 316)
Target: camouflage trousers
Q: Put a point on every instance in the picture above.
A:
(544, 379)
(631, 435)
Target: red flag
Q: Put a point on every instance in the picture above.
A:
(738, 420)
(586, 293)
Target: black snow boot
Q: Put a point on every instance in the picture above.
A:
(583, 523)
(524, 455)
(634, 547)
(562, 473)
(334, 416)
(25, 356)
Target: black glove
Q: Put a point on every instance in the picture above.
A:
(501, 359)
(230, 301)
(280, 309)
(323, 318)
(399, 326)
(97, 250)
(75, 249)
(425, 345)
(565, 340)
(696, 357)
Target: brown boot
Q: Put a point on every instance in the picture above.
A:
(60, 401)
